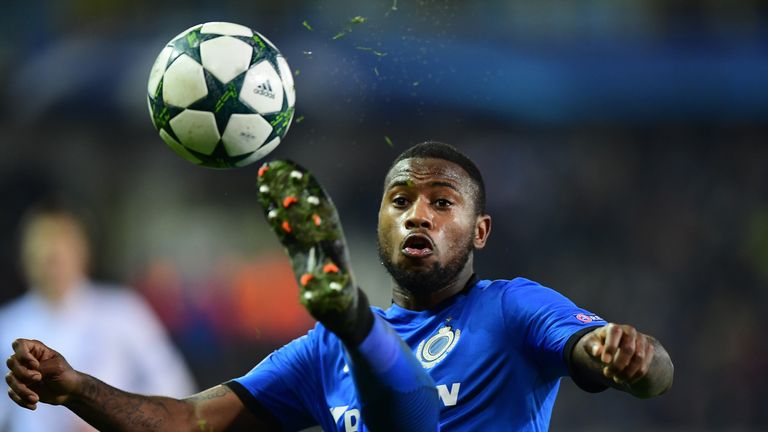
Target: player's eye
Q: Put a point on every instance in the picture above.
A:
(443, 203)
(400, 201)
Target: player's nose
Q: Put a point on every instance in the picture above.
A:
(419, 215)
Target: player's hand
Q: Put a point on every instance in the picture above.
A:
(625, 353)
(38, 374)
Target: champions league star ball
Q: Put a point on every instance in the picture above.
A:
(221, 95)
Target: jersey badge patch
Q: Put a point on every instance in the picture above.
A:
(434, 349)
(586, 319)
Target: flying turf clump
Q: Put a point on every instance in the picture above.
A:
(352, 21)
(305, 220)
(377, 53)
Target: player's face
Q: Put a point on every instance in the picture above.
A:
(54, 255)
(427, 223)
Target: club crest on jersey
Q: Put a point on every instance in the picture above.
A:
(434, 349)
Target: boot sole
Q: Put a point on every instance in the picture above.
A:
(306, 223)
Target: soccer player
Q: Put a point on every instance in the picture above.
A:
(85, 318)
(494, 349)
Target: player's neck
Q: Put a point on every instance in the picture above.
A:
(422, 301)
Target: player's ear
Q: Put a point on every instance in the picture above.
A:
(482, 230)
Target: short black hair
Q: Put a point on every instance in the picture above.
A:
(439, 150)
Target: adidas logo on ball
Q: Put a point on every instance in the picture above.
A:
(264, 89)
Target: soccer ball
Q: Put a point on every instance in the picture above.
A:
(221, 95)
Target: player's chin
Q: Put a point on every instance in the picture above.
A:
(417, 264)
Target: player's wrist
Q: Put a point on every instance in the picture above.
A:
(80, 390)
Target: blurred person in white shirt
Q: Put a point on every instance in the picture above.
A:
(105, 330)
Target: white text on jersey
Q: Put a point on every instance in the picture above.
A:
(352, 416)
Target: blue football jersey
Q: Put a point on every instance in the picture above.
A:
(495, 352)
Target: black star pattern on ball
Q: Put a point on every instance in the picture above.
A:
(222, 100)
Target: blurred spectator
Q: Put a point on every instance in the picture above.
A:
(106, 331)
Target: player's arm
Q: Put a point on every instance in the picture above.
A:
(619, 356)
(40, 374)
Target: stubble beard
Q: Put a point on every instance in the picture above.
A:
(426, 281)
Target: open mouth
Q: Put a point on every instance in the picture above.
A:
(417, 246)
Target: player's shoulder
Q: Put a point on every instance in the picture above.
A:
(493, 294)
(116, 295)
(516, 282)
(500, 286)
(12, 313)
(15, 317)
(118, 303)
(316, 345)
(524, 292)
(14, 305)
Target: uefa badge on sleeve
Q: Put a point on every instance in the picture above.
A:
(586, 319)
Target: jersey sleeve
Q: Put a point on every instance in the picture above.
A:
(284, 384)
(544, 321)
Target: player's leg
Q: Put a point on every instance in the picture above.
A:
(395, 391)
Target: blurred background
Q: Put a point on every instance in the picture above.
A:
(624, 146)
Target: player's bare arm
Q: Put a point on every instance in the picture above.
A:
(40, 374)
(619, 356)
